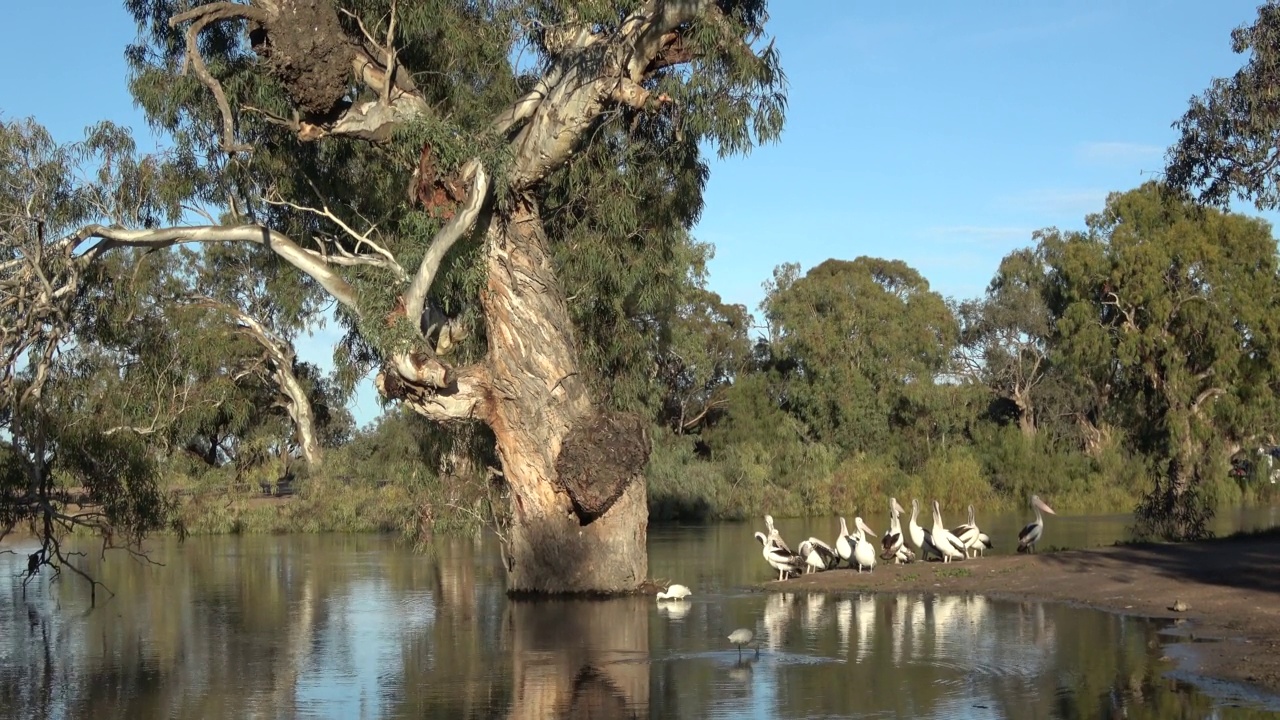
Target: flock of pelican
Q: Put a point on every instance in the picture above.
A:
(855, 550)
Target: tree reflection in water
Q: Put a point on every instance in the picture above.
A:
(284, 627)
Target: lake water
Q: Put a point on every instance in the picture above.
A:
(344, 626)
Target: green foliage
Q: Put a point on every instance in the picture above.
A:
(1228, 135)
(1172, 310)
(865, 342)
(390, 477)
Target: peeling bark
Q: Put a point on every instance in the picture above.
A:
(534, 368)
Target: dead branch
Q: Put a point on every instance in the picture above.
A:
(385, 259)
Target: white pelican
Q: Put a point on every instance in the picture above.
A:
(892, 541)
(775, 535)
(864, 553)
(946, 543)
(1028, 536)
(973, 539)
(742, 636)
(817, 555)
(913, 527)
(675, 592)
(782, 560)
(984, 544)
(844, 543)
(919, 536)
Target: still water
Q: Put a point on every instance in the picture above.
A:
(361, 627)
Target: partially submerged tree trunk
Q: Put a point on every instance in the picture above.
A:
(575, 471)
(596, 676)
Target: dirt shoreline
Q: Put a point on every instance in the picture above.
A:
(1231, 587)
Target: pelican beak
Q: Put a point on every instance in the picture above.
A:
(1045, 507)
(867, 530)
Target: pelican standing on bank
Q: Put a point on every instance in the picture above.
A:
(844, 543)
(864, 553)
(892, 541)
(947, 545)
(818, 555)
(675, 592)
(971, 537)
(919, 536)
(913, 527)
(1028, 536)
(780, 559)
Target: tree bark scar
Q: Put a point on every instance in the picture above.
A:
(599, 458)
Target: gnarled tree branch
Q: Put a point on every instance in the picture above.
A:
(461, 394)
(308, 261)
(203, 16)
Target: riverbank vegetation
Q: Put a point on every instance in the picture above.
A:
(151, 374)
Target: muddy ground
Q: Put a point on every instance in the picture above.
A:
(1231, 587)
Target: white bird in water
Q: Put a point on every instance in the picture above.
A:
(946, 543)
(781, 559)
(675, 592)
(892, 541)
(742, 636)
(864, 553)
(1028, 536)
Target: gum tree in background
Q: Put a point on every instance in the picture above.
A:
(1173, 310)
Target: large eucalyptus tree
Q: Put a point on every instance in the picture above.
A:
(1170, 311)
(401, 159)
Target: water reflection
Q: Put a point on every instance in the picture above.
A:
(311, 627)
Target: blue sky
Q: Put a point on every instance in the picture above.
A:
(941, 134)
